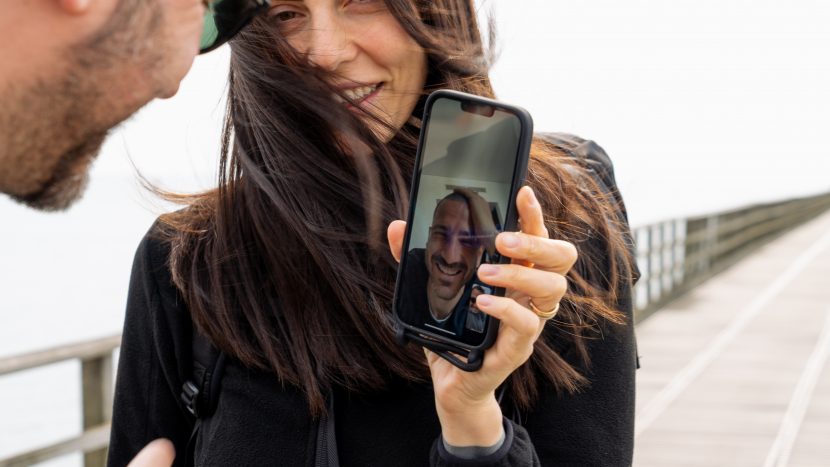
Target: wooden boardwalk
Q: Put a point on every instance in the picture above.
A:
(736, 372)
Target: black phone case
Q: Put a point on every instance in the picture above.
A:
(446, 347)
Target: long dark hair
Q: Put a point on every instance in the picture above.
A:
(285, 265)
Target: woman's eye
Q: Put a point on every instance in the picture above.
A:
(284, 16)
(286, 19)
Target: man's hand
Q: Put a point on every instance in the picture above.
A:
(159, 453)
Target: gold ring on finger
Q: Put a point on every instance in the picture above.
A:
(544, 314)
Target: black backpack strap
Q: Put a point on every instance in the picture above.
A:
(200, 392)
(200, 396)
(325, 454)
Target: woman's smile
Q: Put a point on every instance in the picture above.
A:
(362, 40)
(362, 96)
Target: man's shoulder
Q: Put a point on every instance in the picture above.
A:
(417, 254)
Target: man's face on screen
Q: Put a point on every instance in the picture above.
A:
(452, 250)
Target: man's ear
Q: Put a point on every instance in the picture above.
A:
(74, 7)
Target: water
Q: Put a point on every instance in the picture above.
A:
(704, 106)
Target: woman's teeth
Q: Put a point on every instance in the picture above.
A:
(358, 94)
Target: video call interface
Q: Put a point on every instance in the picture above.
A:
(465, 176)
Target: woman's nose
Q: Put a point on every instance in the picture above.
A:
(331, 43)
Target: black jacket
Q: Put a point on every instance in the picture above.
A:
(258, 421)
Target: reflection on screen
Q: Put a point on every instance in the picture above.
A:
(465, 183)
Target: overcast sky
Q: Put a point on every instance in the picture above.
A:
(707, 103)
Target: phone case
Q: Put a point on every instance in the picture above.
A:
(448, 348)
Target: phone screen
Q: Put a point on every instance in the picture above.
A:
(462, 200)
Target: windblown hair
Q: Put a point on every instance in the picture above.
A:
(285, 265)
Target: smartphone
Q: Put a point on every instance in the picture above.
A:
(471, 161)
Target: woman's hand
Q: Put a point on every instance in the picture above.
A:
(465, 401)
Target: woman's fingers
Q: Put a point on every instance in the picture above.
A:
(519, 326)
(530, 213)
(394, 234)
(545, 288)
(159, 453)
(551, 255)
(510, 313)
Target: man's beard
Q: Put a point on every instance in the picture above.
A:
(51, 132)
(69, 178)
(49, 141)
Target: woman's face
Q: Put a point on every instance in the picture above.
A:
(375, 62)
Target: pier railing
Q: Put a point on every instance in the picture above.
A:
(676, 255)
(673, 257)
(96, 389)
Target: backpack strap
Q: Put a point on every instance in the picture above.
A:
(325, 454)
(200, 392)
(200, 396)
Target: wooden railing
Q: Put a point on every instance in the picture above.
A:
(96, 389)
(677, 255)
(673, 257)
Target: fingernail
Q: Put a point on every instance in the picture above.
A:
(510, 240)
(487, 270)
(484, 300)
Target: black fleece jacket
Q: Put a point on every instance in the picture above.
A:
(258, 421)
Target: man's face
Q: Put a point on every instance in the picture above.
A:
(452, 251)
(57, 111)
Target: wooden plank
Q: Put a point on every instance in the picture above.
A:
(730, 413)
(92, 439)
(83, 350)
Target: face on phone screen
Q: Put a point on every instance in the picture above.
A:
(464, 184)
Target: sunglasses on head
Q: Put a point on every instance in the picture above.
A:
(225, 18)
